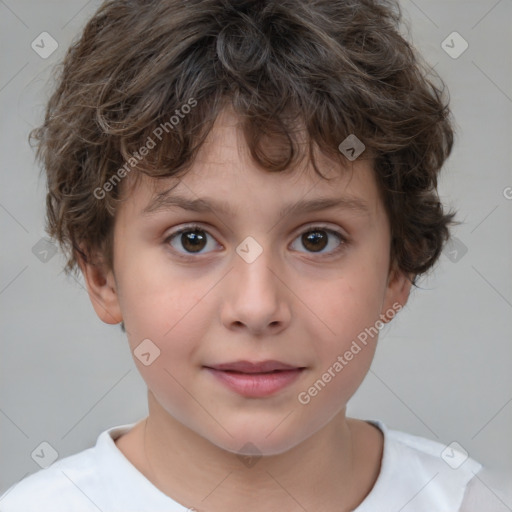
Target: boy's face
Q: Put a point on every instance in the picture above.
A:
(212, 298)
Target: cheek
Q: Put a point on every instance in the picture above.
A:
(175, 322)
(341, 364)
(346, 306)
(158, 299)
(346, 327)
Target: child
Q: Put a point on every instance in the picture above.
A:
(196, 152)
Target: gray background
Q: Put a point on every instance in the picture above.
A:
(442, 369)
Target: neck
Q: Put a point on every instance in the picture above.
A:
(328, 471)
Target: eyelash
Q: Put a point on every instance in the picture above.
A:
(196, 227)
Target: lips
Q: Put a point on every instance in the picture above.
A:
(250, 367)
(255, 379)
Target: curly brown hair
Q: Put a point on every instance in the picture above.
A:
(332, 67)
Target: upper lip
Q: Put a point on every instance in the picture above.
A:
(254, 367)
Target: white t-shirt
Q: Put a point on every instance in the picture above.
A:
(414, 477)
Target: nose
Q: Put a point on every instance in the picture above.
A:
(256, 297)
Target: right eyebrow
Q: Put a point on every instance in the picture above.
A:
(166, 201)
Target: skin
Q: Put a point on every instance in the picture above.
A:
(292, 304)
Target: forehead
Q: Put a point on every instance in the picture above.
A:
(224, 173)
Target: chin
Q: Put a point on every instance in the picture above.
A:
(259, 437)
(256, 445)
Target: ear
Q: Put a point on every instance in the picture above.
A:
(397, 293)
(102, 289)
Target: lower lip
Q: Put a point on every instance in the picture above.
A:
(256, 385)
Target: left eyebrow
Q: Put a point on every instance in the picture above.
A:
(353, 204)
(165, 201)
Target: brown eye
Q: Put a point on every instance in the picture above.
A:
(314, 240)
(317, 239)
(191, 240)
